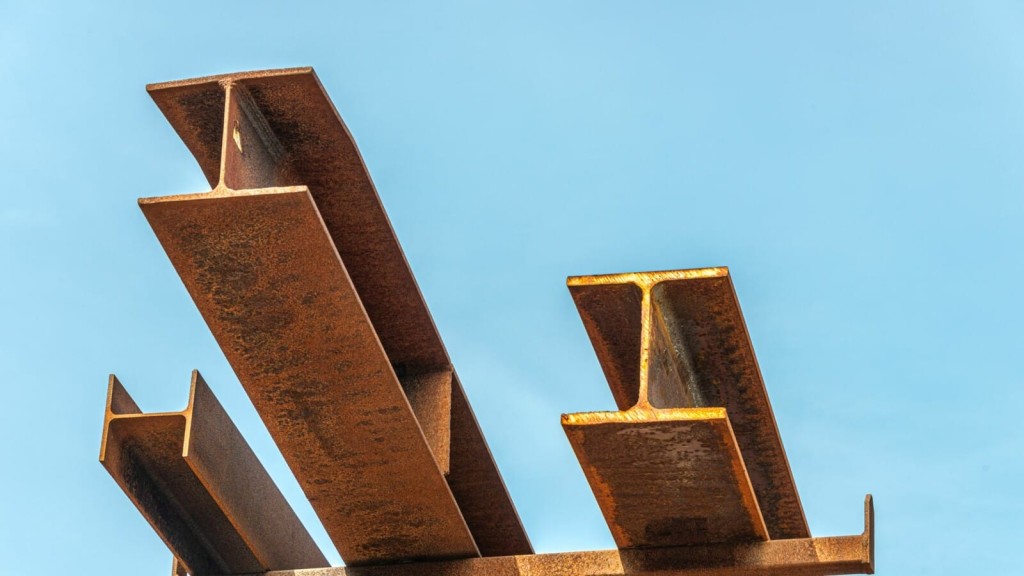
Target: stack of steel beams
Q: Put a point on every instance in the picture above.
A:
(292, 262)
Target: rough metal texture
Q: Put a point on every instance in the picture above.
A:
(796, 557)
(667, 477)
(199, 485)
(266, 276)
(677, 339)
(294, 266)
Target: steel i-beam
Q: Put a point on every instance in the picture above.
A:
(794, 557)
(197, 482)
(694, 455)
(294, 265)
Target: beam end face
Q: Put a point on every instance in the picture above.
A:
(713, 361)
(611, 314)
(119, 401)
(251, 155)
(868, 537)
(279, 128)
(196, 112)
(206, 516)
(693, 351)
(196, 109)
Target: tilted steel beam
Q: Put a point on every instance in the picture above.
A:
(794, 557)
(197, 482)
(664, 471)
(294, 266)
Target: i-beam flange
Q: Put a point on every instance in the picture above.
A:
(194, 478)
(294, 266)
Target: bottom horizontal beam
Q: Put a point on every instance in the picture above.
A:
(796, 557)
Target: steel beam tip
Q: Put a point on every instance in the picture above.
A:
(197, 482)
(869, 531)
(119, 401)
(217, 78)
(643, 415)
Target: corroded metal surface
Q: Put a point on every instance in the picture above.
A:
(302, 282)
(263, 271)
(666, 477)
(677, 339)
(294, 265)
(795, 557)
(199, 485)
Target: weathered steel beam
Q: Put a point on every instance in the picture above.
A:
(677, 340)
(197, 482)
(667, 477)
(294, 266)
(795, 557)
(265, 274)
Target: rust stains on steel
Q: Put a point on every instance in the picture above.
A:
(200, 486)
(294, 266)
(668, 477)
(795, 557)
(673, 344)
(264, 273)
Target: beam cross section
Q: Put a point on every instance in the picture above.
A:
(294, 265)
(196, 481)
(694, 454)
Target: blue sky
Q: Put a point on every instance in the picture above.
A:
(858, 167)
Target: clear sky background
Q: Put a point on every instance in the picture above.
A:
(857, 167)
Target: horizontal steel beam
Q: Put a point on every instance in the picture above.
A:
(677, 339)
(295, 267)
(796, 557)
(197, 482)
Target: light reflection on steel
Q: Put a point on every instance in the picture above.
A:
(665, 471)
(294, 266)
(197, 482)
(795, 557)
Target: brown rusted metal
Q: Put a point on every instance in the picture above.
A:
(668, 342)
(667, 477)
(197, 482)
(295, 267)
(794, 557)
(266, 276)
(301, 280)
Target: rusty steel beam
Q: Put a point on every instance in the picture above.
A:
(294, 266)
(266, 276)
(667, 477)
(197, 482)
(794, 557)
(668, 342)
